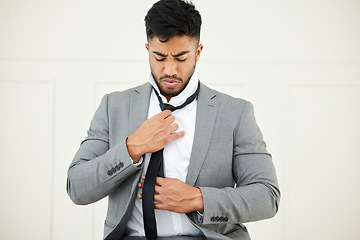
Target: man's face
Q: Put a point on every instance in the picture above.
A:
(172, 63)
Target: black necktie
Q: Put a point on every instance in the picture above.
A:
(155, 169)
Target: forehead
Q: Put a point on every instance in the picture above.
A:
(175, 44)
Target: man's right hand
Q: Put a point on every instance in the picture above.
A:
(153, 135)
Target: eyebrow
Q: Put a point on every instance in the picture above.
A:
(175, 56)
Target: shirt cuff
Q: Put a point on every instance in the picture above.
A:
(138, 163)
(200, 216)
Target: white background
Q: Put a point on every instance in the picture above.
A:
(297, 61)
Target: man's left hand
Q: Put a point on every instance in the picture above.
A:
(176, 196)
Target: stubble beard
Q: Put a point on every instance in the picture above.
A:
(172, 94)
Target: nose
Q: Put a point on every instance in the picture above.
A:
(170, 68)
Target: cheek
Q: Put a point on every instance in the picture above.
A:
(155, 66)
(189, 68)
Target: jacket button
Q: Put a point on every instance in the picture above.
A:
(110, 173)
(217, 219)
(117, 167)
(221, 219)
(226, 219)
(113, 170)
(121, 164)
(212, 219)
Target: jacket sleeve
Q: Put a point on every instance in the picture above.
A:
(97, 170)
(256, 195)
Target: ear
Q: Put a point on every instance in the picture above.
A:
(198, 52)
(147, 46)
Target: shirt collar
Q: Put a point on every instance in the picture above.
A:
(181, 98)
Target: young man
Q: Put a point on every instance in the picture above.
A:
(195, 155)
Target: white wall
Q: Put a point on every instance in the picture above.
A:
(297, 61)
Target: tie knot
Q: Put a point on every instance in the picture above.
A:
(166, 106)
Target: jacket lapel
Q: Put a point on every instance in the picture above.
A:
(139, 106)
(207, 108)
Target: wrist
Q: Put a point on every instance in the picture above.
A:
(199, 201)
(133, 150)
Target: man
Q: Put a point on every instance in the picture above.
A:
(217, 171)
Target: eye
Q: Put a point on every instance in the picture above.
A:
(181, 60)
(160, 60)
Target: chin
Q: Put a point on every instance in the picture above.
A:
(170, 93)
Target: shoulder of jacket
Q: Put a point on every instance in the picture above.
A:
(222, 97)
(119, 95)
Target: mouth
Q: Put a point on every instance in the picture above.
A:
(170, 83)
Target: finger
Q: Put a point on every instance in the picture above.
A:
(160, 180)
(173, 127)
(176, 135)
(165, 114)
(162, 115)
(157, 189)
(170, 119)
(157, 199)
(160, 206)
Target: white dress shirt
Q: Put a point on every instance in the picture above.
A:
(176, 161)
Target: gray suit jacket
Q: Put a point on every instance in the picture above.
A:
(229, 163)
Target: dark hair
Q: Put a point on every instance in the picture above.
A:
(168, 18)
